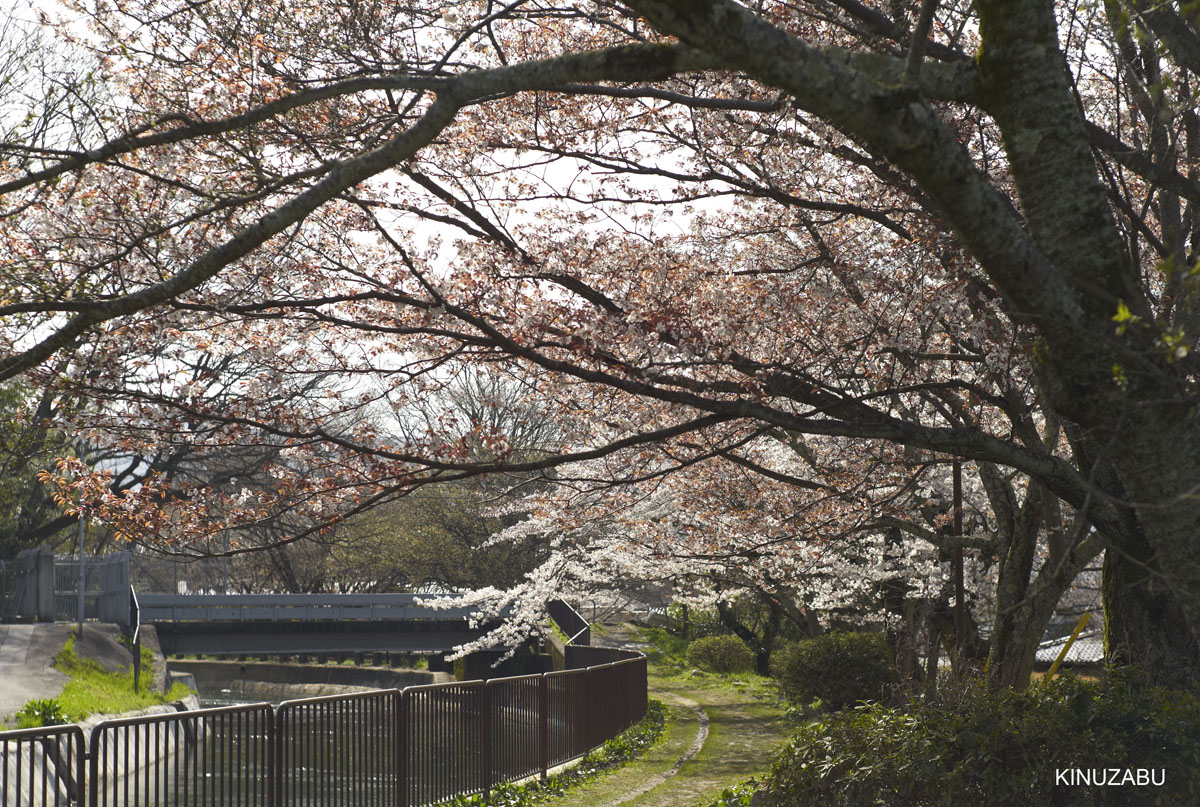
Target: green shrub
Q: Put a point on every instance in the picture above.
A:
(781, 658)
(723, 654)
(700, 622)
(741, 794)
(38, 713)
(1000, 750)
(839, 668)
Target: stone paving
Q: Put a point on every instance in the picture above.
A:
(26, 652)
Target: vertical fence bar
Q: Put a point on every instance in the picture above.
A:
(403, 749)
(485, 735)
(543, 724)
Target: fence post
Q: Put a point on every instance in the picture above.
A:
(589, 712)
(544, 725)
(81, 594)
(485, 731)
(137, 660)
(44, 560)
(274, 759)
(402, 732)
(93, 778)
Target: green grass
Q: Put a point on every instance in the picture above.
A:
(557, 631)
(614, 754)
(747, 723)
(94, 690)
(667, 652)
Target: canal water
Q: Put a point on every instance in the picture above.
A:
(243, 692)
(225, 758)
(326, 750)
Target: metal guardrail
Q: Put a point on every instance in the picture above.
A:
(576, 628)
(401, 748)
(201, 757)
(341, 749)
(42, 766)
(40, 586)
(287, 607)
(105, 587)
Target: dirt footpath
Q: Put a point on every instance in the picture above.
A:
(720, 731)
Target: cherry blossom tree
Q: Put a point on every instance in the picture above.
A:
(941, 230)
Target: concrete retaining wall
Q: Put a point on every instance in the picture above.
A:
(154, 743)
(51, 781)
(293, 680)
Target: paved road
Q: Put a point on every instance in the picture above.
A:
(25, 672)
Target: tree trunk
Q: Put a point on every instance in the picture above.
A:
(971, 658)
(933, 652)
(1145, 625)
(1015, 640)
(1161, 477)
(1024, 606)
(760, 645)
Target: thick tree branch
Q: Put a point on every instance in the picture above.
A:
(616, 64)
(899, 125)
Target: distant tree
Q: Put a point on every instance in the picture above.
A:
(433, 539)
(439, 536)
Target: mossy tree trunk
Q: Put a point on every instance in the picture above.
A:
(1145, 626)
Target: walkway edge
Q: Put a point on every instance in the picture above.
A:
(693, 749)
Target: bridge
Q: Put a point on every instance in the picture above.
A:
(43, 587)
(303, 624)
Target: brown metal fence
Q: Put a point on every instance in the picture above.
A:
(400, 748)
(42, 767)
(339, 750)
(209, 756)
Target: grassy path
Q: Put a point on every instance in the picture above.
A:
(720, 731)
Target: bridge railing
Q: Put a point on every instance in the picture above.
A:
(576, 628)
(287, 607)
(400, 748)
(42, 586)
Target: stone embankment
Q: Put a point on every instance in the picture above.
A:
(249, 681)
